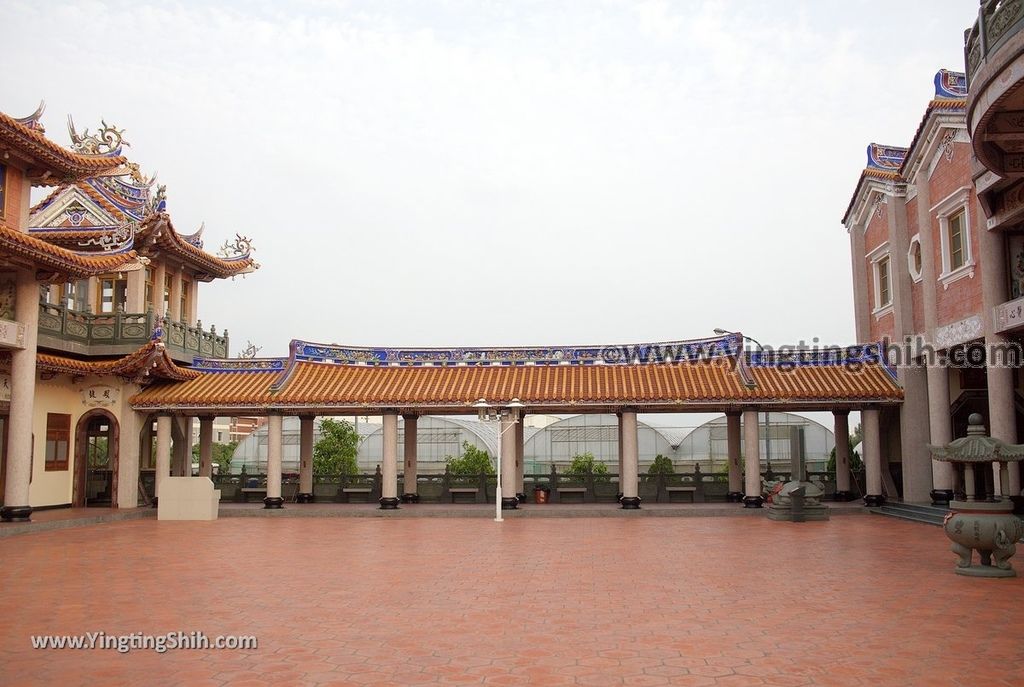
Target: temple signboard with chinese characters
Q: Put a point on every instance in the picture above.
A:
(99, 395)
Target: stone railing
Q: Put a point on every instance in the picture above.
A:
(998, 20)
(71, 331)
(434, 487)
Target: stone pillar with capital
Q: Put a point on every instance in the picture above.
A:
(520, 468)
(872, 444)
(306, 429)
(732, 427)
(410, 488)
(630, 477)
(389, 462)
(163, 454)
(619, 442)
(841, 425)
(752, 455)
(273, 498)
(509, 500)
(206, 446)
(23, 388)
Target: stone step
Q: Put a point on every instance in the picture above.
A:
(908, 515)
(915, 512)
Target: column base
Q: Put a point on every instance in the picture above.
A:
(410, 498)
(155, 502)
(521, 497)
(509, 503)
(389, 503)
(844, 496)
(941, 497)
(618, 497)
(1018, 505)
(273, 502)
(874, 501)
(734, 497)
(16, 513)
(305, 497)
(752, 501)
(630, 502)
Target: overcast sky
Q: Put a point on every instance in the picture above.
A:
(486, 173)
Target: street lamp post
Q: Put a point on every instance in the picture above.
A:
(488, 413)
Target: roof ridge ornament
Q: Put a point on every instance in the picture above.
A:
(120, 239)
(885, 157)
(107, 141)
(950, 84)
(32, 121)
(239, 249)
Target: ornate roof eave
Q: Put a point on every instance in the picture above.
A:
(157, 233)
(871, 181)
(148, 363)
(54, 263)
(48, 163)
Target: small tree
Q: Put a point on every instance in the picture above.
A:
(856, 464)
(335, 452)
(473, 461)
(662, 465)
(584, 464)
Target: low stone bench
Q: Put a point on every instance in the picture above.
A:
(692, 491)
(582, 491)
(472, 491)
(246, 491)
(347, 492)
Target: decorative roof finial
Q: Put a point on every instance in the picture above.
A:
(32, 120)
(107, 141)
(237, 249)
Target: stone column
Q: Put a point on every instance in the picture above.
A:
(23, 388)
(206, 446)
(181, 457)
(619, 441)
(862, 297)
(128, 452)
(163, 452)
(273, 498)
(175, 305)
(872, 457)
(520, 468)
(629, 441)
(841, 423)
(509, 501)
(732, 429)
(1002, 413)
(159, 277)
(136, 296)
(940, 432)
(389, 462)
(410, 488)
(305, 494)
(752, 454)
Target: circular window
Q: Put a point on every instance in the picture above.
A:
(914, 258)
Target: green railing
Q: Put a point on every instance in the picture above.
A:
(84, 333)
(998, 20)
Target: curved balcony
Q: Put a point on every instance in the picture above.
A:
(70, 331)
(994, 56)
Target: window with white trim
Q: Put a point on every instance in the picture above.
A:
(955, 236)
(881, 271)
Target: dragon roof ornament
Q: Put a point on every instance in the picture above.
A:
(107, 141)
(33, 121)
(119, 240)
(239, 249)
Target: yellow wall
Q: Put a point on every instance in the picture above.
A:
(62, 395)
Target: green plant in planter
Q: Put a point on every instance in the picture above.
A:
(662, 465)
(584, 465)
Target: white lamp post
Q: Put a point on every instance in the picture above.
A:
(488, 413)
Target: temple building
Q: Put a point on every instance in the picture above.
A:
(937, 274)
(103, 291)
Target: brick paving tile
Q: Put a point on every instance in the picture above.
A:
(587, 601)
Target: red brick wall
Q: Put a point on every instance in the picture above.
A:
(961, 298)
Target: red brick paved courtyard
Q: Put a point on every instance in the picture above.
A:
(610, 601)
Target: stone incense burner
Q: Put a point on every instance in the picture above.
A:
(987, 525)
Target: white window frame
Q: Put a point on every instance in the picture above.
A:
(915, 274)
(946, 208)
(876, 257)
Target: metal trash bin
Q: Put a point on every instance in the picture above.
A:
(541, 493)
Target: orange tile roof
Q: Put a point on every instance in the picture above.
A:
(64, 263)
(61, 164)
(655, 386)
(150, 360)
